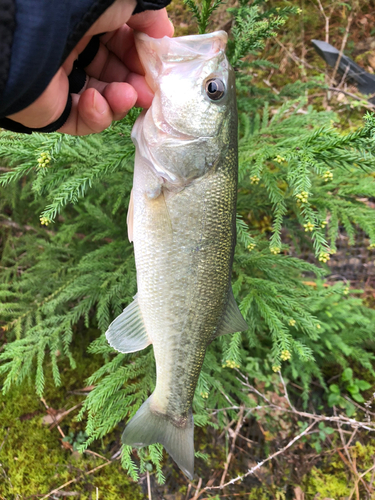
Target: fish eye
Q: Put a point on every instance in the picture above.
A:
(215, 89)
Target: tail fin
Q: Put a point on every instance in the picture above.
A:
(147, 427)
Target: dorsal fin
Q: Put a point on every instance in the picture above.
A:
(127, 333)
(232, 320)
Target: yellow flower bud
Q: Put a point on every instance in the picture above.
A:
(285, 355)
(45, 221)
(309, 227)
(324, 257)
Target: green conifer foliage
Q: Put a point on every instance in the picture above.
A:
(66, 263)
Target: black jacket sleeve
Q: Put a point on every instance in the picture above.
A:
(36, 36)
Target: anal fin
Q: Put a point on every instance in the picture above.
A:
(127, 333)
(232, 320)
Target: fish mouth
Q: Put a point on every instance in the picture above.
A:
(154, 53)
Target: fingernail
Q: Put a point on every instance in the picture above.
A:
(100, 104)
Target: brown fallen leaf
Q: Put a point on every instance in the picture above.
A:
(83, 391)
(53, 416)
(29, 416)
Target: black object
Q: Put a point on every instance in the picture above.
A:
(365, 82)
(88, 54)
(52, 127)
(77, 80)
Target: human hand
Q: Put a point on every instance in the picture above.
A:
(115, 81)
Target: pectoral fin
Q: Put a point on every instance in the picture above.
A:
(127, 333)
(130, 217)
(232, 320)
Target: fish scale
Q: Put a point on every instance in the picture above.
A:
(182, 220)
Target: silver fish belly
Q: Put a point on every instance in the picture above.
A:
(182, 222)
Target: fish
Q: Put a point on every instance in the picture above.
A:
(182, 221)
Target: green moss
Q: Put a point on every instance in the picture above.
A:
(32, 457)
(333, 479)
(327, 485)
(258, 494)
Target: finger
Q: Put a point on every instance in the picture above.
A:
(120, 96)
(137, 82)
(145, 94)
(154, 23)
(121, 42)
(115, 16)
(107, 66)
(112, 19)
(93, 112)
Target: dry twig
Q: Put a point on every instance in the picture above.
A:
(326, 18)
(369, 105)
(360, 477)
(260, 464)
(230, 454)
(286, 395)
(50, 412)
(339, 420)
(188, 492)
(56, 424)
(76, 479)
(343, 45)
(198, 491)
(148, 485)
(295, 58)
(60, 417)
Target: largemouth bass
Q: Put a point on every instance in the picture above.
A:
(182, 221)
